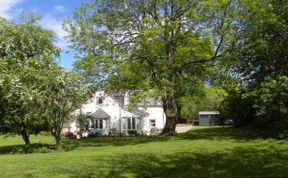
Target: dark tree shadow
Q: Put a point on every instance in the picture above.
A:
(112, 141)
(210, 133)
(220, 133)
(21, 149)
(239, 162)
(249, 161)
(71, 144)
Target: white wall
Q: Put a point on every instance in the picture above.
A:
(155, 113)
(112, 108)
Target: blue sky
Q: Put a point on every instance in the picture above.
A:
(53, 12)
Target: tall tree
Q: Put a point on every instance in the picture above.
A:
(261, 50)
(148, 44)
(260, 58)
(26, 53)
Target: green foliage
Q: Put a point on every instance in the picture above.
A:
(261, 49)
(64, 93)
(283, 134)
(165, 46)
(35, 93)
(257, 66)
(238, 107)
(34, 148)
(26, 53)
(209, 99)
(271, 105)
(272, 98)
(82, 122)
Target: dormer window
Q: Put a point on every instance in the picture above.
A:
(99, 100)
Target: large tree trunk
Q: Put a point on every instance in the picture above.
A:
(58, 141)
(171, 116)
(25, 137)
(170, 125)
(57, 136)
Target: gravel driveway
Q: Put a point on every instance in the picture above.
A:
(180, 128)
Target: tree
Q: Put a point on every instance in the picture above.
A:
(259, 60)
(238, 107)
(64, 93)
(208, 99)
(26, 53)
(261, 50)
(273, 96)
(150, 45)
(82, 122)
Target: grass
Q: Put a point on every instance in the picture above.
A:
(201, 152)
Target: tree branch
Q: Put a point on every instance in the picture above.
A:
(221, 28)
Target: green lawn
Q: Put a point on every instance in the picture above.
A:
(202, 152)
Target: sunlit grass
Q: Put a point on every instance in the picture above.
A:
(202, 152)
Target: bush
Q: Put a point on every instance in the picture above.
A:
(34, 148)
(238, 107)
(69, 134)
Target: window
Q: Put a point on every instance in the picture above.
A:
(204, 116)
(100, 101)
(98, 124)
(152, 123)
(215, 116)
(131, 123)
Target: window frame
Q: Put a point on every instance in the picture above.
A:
(151, 125)
(131, 123)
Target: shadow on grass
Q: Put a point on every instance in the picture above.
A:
(70, 144)
(209, 133)
(112, 141)
(220, 133)
(238, 162)
(21, 149)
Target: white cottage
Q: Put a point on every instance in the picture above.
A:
(109, 114)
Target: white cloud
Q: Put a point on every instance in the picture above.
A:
(6, 7)
(51, 23)
(59, 8)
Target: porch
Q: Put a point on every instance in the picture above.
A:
(99, 123)
(131, 124)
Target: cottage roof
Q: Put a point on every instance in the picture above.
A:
(100, 114)
(137, 112)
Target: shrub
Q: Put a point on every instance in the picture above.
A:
(34, 148)
(69, 134)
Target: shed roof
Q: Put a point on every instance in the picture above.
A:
(100, 114)
(208, 112)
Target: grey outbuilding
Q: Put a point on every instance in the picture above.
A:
(209, 118)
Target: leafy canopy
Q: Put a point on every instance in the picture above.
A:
(26, 52)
